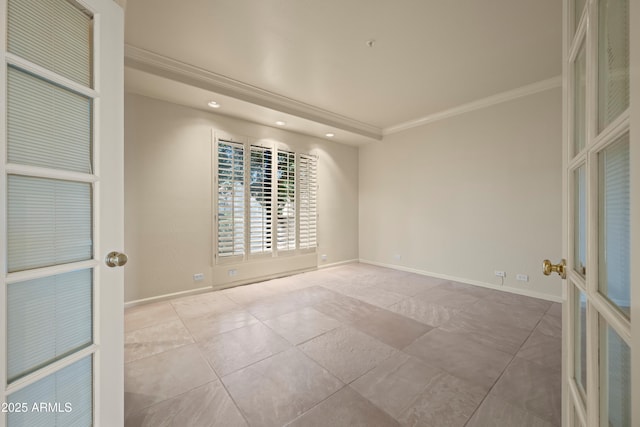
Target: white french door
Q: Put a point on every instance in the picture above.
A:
(61, 212)
(601, 147)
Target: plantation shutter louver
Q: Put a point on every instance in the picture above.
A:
(286, 209)
(308, 186)
(260, 202)
(230, 199)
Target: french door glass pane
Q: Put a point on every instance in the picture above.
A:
(49, 222)
(615, 374)
(580, 221)
(580, 100)
(47, 125)
(68, 391)
(54, 34)
(580, 337)
(613, 60)
(47, 319)
(615, 224)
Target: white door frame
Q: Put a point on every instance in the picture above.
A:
(108, 149)
(630, 120)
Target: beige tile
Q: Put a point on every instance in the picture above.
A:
(215, 323)
(391, 328)
(424, 312)
(346, 309)
(278, 389)
(248, 294)
(201, 304)
(510, 315)
(447, 401)
(346, 353)
(155, 339)
(543, 349)
(395, 383)
(288, 284)
(447, 298)
(376, 296)
(458, 355)
(497, 335)
(520, 301)
(555, 310)
(241, 347)
(532, 387)
(291, 301)
(550, 325)
(411, 284)
(384, 325)
(346, 408)
(206, 406)
(497, 412)
(163, 376)
(465, 288)
(302, 325)
(143, 316)
(344, 286)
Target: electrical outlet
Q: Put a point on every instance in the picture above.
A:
(500, 273)
(198, 277)
(397, 257)
(522, 277)
(323, 257)
(232, 272)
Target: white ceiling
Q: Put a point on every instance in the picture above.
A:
(310, 58)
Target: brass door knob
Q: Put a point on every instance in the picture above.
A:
(116, 259)
(560, 268)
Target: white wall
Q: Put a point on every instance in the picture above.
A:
(168, 198)
(468, 195)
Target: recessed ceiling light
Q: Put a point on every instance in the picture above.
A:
(213, 104)
(330, 135)
(281, 123)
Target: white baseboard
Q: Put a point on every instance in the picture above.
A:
(165, 297)
(339, 263)
(510, 289)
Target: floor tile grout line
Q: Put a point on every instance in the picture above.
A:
(503, 371)
(219, 377)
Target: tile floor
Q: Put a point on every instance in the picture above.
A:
(355, 345)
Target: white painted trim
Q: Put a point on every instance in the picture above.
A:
(509, 289)
(520, 92)
(44, 73)
(170, 68)
(52, 368)
(212, 288)
(39, 172)
(38, 273)
(337, 264)
(165, 297)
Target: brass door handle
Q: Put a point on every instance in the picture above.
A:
(560, 268)
(116, 259)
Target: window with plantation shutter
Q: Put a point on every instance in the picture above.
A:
(266, 201)
(286, 201)
(307, 195)
(231, 210)
(260, 220)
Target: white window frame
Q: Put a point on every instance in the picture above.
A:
(275, 147)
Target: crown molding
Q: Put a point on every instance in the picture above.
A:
(520, 92)
(163, 66)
